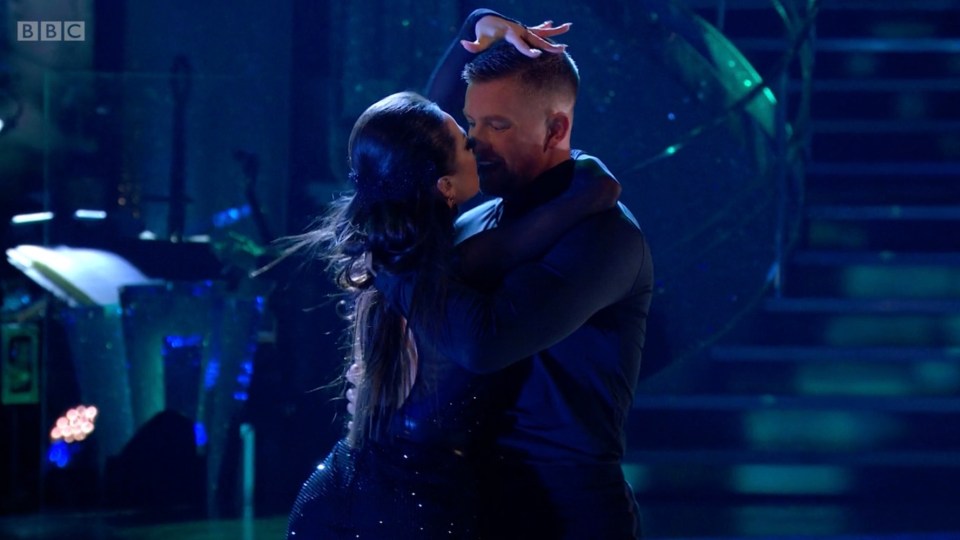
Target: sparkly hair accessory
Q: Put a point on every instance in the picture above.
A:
(378, 189)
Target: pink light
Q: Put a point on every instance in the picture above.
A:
(75, 425)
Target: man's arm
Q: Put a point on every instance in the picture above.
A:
(593, 266)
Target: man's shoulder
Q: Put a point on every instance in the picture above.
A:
(590, 163)
(618, 220)
(608, 233)
(625, 214)
(478, 219)
(619, 217)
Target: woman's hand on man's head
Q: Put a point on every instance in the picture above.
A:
(530, 41)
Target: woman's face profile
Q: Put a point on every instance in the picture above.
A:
(463, 180)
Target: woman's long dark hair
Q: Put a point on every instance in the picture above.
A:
(395, 221)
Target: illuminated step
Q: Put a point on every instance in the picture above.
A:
(864, 306)
(882, 127)
(884, 169)
(782, 353)
(721, 402)
(876, 476)
(861, 45)
(875, 258)
(884, 85)
(884, 213)
(881, 229)
(945, 458)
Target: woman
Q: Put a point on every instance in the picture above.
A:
(400, 472)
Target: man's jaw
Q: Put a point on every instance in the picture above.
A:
(487, 166)
(491, 183)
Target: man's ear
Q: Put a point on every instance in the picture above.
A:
(558, 127)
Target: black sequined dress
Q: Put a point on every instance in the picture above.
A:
(412, 482)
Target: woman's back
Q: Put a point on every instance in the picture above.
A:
(410, 480)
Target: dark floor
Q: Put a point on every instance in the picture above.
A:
(803, 520)
(674, 520)
(100, 526)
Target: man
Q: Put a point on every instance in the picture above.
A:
(551, 451)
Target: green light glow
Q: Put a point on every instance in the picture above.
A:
(638, 476)
(789, 480)
(769, 95)
(853, 379)
(823, 431)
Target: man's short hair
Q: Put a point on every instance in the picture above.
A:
(547, 73)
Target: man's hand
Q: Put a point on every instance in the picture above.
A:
(528, 40)
(593, 185)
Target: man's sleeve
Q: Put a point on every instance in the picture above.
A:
(445, 86)
(593, 266)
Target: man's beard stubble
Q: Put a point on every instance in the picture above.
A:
(496, 180)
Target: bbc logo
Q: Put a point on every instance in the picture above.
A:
(51, 31)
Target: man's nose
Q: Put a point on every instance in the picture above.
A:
(476, 140)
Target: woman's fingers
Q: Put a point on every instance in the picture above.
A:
(522, 45)
(536, 40)
(475, 46)
(351, 400)
(354, 374)
(548, 30)
(529, 41)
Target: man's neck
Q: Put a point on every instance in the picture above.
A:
(545, 187)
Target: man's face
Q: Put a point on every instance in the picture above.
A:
(510, 132)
